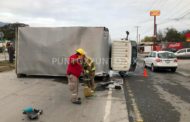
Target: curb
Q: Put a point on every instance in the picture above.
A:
(183, 73)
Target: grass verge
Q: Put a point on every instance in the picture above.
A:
(6, 66)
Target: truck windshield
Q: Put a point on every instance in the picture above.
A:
(166, 55)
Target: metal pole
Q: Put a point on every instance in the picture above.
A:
(155, 32)
(154, 25)
(137, 33)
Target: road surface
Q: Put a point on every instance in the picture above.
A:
(52, 95)
(161, 97)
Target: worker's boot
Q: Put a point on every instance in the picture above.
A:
(77, 101)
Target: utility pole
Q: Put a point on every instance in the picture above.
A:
(137, 33)
(139, 38)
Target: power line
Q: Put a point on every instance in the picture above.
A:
(177, 18)
(175, 11)
(178, 8)
(178, 11)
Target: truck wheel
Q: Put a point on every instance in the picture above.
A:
(21, 75)
(173, 69)
(122, 73)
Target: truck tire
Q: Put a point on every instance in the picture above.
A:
(122, 73)
(21, 75)
(173, 69)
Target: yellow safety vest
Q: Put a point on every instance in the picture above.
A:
(89, 63)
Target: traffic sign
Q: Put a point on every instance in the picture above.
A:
(187, 37)
(155, 13)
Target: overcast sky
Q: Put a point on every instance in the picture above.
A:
(117, 15)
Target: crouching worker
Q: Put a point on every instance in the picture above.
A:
(89, 73)
(74, 71)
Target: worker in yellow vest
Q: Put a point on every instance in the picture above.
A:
(89, 71)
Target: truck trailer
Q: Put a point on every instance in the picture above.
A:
(44, 51)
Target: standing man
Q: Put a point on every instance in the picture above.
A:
(11, 52)
(74, 71)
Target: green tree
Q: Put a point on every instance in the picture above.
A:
(172, 35)
(10, 29)
(147, 39)
(160, 36)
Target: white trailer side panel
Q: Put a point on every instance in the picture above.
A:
(45, 51)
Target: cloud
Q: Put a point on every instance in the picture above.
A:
(117, 15)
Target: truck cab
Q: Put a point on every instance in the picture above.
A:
(123, 56)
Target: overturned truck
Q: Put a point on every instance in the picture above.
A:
(45, 51)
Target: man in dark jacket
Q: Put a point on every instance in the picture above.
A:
(11, 52)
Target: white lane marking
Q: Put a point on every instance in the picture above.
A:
(108, 106)
(137, 113)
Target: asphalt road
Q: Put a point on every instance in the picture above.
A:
(161, 97)
(53, 96)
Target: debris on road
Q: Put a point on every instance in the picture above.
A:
(110, 84)
(118, 87)
(32, 113)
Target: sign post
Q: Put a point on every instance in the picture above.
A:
(155, 13)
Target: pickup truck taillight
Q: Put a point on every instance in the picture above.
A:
(158, 60)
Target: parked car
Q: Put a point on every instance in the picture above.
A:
(161, 60)
(170, 50)
(183, 53)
